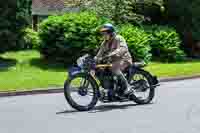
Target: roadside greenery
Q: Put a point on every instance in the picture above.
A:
(14, 16)
(166, 44)
(138, 42)
(8, 31)
(64, 38)
(119, 11)
(31, 39)
(26, 70)
(61, 39)
(185, 15)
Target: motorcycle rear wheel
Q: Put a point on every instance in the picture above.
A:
(148, 79)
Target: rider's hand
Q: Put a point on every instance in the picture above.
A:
(97, 59)
(107, 56)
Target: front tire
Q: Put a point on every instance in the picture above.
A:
(90, 84)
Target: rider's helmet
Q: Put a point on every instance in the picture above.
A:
(109, 28)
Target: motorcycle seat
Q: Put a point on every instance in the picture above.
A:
(135, 65)
(139, 64)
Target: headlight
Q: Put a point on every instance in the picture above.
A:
(80, 61)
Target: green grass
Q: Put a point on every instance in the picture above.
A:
(188, 68)
(25, 70)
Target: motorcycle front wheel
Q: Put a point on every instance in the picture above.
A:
(81, 92)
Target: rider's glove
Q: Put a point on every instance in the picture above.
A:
(97, 59)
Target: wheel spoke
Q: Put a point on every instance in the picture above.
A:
(140, 94)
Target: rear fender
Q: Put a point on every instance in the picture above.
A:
(134, 69)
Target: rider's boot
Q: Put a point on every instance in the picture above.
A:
(128, 90)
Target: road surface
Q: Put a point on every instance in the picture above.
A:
(175, 109)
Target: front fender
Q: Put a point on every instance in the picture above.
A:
(74, 71)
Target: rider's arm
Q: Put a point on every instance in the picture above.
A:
(121, 47)
(101, 50)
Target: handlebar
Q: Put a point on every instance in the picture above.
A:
(105, 60)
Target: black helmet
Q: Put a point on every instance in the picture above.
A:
(108, 28)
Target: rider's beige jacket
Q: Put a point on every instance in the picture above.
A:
(116, 48)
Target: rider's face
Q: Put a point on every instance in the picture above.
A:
(106, 35)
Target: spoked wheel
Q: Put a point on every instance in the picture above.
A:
(81, 92)
(144, 90)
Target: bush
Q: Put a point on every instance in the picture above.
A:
(138, 42)
(31, 39)
(160, 42)
(166, 44)
(66, 37)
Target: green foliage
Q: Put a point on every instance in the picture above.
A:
(160, 42)
(185, 13)
(8, 30)
(195, 7)
(166, 44)
(12, 21)
(138, 42)
(131, 11)
(23, 12)
(22, 19)
(120, 11)
(31, 39)
(67, 37)
(151, 9)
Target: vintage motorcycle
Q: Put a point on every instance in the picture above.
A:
(89, 82)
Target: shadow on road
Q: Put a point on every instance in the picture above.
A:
(104, 108)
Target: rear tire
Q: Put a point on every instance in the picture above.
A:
(150, 81)
(71, 101)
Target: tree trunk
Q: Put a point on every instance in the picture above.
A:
(35, 22)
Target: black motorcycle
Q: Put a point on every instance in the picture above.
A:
(89, 82)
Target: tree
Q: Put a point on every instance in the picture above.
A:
(13, 20)
(185, 15)
(8, 30)
(23, 19)
(23, 12)
(120, 11)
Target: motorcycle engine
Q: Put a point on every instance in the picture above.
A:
(106, 79)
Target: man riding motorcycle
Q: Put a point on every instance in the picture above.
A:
(115, 47)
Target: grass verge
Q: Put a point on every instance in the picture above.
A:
(26, 71)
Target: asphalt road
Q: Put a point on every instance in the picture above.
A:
(175, 109)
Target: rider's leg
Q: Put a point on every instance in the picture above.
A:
(122, 78)
(118, 72)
